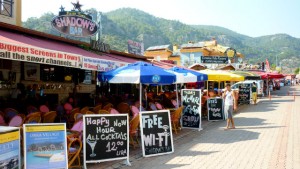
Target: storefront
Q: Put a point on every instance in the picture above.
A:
(51, 65)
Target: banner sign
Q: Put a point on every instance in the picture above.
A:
(215, 109)
(191, 115)
(45, 146)
(100, 64)
(214, 59)
(38, 55)
(105, 137)
(9, 147)
(156, 133)
(135, 47)
(244, 93)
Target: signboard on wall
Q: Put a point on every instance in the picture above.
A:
(191, 114)
(45, 145)
(10, 147)
(38, 55)
(105, 137)
(156, 133)
(135, 47)
(214, 59)
(100, 65)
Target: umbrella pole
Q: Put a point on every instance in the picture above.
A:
(207, 88)
(177, 96)
(140, 96)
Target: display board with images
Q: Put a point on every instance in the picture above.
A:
(45, 146)
(244, 94)
(156, 133)
(9, 147)
(215, 109)
(191, 114)
(105, 137)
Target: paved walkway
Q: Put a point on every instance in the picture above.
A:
(267, 136)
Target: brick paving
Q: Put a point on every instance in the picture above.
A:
(267, 136)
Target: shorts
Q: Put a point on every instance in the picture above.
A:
(254, 96)
(228, 111)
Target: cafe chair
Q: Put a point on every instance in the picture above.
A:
(36, 118)
(108, 106)
(133, 130)
(2, 121)
(174, 102)
(68, 108)
(135, 111)
(70, 116)
(113, 111)
(89, 112)
(152, 106)
(123, 108)
(84, 109)
(103, 112)
(44, 109)
(78, 116)
(97, 108)
(33, 114)
(31, 109)
(10, 113)
(159, 106)
(16, 121)
(74, 149)
(78, 127)
(49, 117)
(175, 117)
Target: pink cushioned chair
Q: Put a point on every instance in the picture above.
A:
(135, 111)
(16, 121)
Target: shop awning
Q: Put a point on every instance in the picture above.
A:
(23, 47)
(214, 75)
(247, 75)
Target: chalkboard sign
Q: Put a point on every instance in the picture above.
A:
(191, 115)
(156, 132)
(215, 109)
(244, 93)
(105, 137)
(9, 147)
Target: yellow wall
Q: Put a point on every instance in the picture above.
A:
(175, 58)
(16, 16)
(164, 54)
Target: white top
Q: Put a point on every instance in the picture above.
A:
(228, 98)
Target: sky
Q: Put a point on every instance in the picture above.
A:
(249, 17)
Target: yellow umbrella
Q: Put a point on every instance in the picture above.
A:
(214, 75)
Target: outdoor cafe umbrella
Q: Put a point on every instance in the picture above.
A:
(190, 76)
(139, 73)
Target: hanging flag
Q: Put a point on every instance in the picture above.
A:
(267, 66)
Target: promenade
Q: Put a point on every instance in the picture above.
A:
(267, 136)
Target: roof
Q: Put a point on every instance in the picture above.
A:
(158, 47)
(225, 67)
(197, 66)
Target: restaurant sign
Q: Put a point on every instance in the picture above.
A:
(74, 23)
(100, 64)
(214, 59)
(38, 55)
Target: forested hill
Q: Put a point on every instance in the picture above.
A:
(127, 23)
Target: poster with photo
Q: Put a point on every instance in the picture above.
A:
(45, 146)
(9, 147)
(31, 71)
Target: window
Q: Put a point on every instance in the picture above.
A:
(6, 7)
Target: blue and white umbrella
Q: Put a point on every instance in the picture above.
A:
(139, 73)
(189, 76)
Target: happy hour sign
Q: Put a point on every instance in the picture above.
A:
(105, 137)
(156, 133)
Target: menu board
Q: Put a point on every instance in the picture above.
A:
(215, 109)
(45, 146)
(191, 115)
(244, 93)
(156, 132)
(9, 147)
(105, 137)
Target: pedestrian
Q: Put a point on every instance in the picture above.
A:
(254, 93)
(229, 101)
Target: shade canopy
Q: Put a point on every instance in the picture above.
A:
(138, 72)
(272, 75)
(190, 76)
(247, 75)
(214, 75)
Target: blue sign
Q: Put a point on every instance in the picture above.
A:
(155, 78)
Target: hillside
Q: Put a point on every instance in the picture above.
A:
(127, 23)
